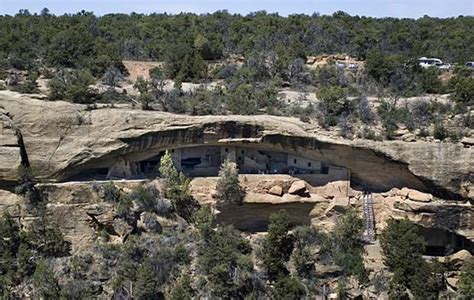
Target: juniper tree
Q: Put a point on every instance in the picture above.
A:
(176, 186)
(228, 186)
(45, 284)
(277, 245)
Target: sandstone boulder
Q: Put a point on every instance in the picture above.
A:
(149, 223)
(404, 192)
(276, 190)
(460, 257)
(9, 201)
(409, 137)
(122, 228)
(452, 282)
(419, 196)
(339, 205)
(415, 195)
(298, 188)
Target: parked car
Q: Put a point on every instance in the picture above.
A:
(429, 62)
(469, 64)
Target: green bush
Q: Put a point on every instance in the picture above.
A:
(403, 248)
(277, 245)
(462, 89)
(305, 238)
(45, 237)
(440, 132)
(72, 85)
(45, 284)
(176, 187)
(466, 279)
(228, 186)
(344, 246)
(224, 259)
(288, 288)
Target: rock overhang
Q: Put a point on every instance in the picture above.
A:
(94, 138)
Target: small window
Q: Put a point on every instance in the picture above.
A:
(295, 161)
(240, 157)
(226, 149)
(172, 150)
(309, 164)
(243, 152)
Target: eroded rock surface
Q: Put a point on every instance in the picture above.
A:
(63, 139)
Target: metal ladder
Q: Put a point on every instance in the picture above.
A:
(369, 220)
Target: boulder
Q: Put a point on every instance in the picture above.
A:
(452, 282)
(276, 190)
(419, 196)
(333, 189)
(149, 222)
(409, 137)
(298, 188)
(122, 228)
(415, 195)
(339, 204)
(404, 192)
(460, 257)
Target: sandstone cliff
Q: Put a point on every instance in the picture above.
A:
(63, 139)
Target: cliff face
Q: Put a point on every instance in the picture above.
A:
(63, 139)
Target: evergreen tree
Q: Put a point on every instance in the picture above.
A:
(403, 248)
(466, 279)
(224, 259)
(228, 186)
(147, 286)
(288, 288)
(277, 245)
(347, 247)
(182, 290)
(45, 284)
(176, 186)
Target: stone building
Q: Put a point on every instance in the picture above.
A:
(205, 161)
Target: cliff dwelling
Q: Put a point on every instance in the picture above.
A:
(205, 161)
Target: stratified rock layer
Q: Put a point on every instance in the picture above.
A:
(63, 139)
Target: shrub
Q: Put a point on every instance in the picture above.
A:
(224, 259)
(364, 111)
(147, 285)
(204, 219)
(228, 186)
(109, 192)
(277, 245)
(112, 76)
(182, 290)
(403, 248)
(305, 238)
(146, 197)
(45, 237)
(45, 284)
(345, 246)
(72, 85)
(288, 288)
(176, 187)
(440, 132)
(462, 89)
(466, 279)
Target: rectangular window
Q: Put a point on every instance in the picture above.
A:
(294, 161)
(226, 149)
(309, 164)
(172, 150)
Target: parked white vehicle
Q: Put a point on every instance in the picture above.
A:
(469, 64)
(430, 62)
